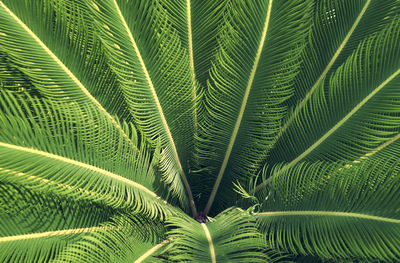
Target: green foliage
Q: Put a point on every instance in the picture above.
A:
(199, 131)
(309, 202)
(233, 234)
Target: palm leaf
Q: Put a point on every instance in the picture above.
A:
(338, 27)
(384, 151)
(350, 65)
(123, 239)
(40, 147)
(230, 237)
(335, 211)
(146, 54)
(249, 80)
(63, 62)
(199, 24)
(356, 113)
(34, 227)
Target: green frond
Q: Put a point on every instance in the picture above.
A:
(44, 149)
(354, 111)
(117, 114)
(125, 238)
(229, 237)
(48, 41)
(250, 78)
(335, 211)
(154, 72)
(199, 24)
(338, 28)
(35, 226)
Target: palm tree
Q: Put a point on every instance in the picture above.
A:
(199, 131)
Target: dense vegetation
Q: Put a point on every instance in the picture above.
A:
(199, 131)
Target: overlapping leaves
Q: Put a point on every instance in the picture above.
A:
(112, 112)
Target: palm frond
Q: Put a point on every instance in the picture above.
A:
(49, 43)
(44, 148)
(199, 24)
(229, 237)
(384, 151)
(338, 28)
(250, 78)
(125, 238)
(117, 114)
(36, 226)
(335, 211)
(153, 69)
(358, 111)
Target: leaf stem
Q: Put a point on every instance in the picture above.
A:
(330, 213)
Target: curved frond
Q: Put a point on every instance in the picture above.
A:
(229, 237)
(384, 151)
(50, 43)
(125, 238)
(250, 79)
(153, 69)
(335, 211)
(338, 28)
(358, 111)
(35, 226)
(199, 24)
(43, 148)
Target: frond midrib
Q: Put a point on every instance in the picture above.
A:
(191, 62)
(48, 182)
(70, 75)
(152, 250)
(48, 234)
(241, 112)
(342, 121)
(210, 242)
(323, 213)
(379, 148)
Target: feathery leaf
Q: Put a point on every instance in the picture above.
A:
(335, 211)
(153, 69)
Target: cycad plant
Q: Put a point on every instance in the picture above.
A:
(199, 131)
